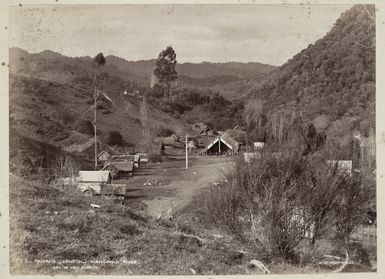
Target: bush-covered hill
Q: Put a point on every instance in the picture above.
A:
(202, 70)
(51, 97)
(334, 77)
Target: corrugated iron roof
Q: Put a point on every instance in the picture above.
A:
(94, 176)
(122, 157)
(123, 165)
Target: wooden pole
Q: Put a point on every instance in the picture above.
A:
(95, 98)
(186, 153)
(96, 145)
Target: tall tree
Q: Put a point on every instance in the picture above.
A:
(253, 117)
(164, 71)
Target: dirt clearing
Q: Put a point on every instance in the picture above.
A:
(169, 185)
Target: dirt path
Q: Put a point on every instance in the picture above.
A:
(181, 184)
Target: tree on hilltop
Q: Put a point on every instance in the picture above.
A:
(164, 73)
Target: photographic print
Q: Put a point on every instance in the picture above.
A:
(175, 139)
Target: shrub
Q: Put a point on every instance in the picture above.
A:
(276, 202)
(21, 164)
(84, 127)
(114, 138)
(107, 111)
(65, 168)
(164, 132)
(62, 136)
(63, 115)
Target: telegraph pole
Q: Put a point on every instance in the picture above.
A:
(99, 60)
(95, 97)
(186, 153)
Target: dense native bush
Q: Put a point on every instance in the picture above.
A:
(280, 199)
(225, 114)
(114, 138)
(335, 75)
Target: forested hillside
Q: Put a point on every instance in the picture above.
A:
(334, 77)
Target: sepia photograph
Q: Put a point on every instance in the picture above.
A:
(192, 139)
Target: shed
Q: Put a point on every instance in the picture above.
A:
(123, 166)
(223, 144)
(93, 181)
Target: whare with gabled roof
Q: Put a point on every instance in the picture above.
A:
(223, 144)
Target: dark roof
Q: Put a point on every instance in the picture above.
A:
(123, 165)
(227, 138)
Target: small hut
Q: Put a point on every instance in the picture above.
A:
(123, 167)
(93, 181)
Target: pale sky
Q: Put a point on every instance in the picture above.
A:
(269, 34)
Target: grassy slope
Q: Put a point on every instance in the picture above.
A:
(37, 107)
(117, 232)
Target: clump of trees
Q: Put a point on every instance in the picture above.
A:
(114, 138)
(224, 114)
(163, 132)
